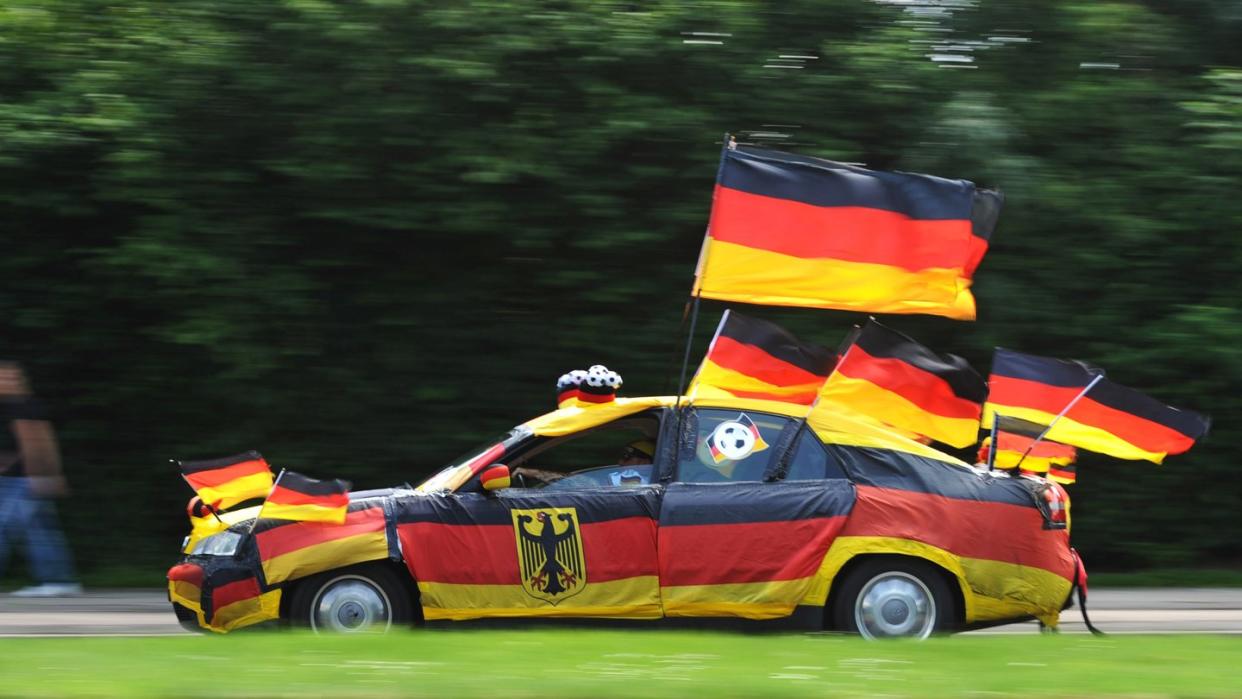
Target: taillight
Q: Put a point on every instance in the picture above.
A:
(1056, 507)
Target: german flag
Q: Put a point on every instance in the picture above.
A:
(299, 498)
(789, 230)
(1110, 418)
(752, 358)
(223, 483)
(1035, 457)
(890, 377)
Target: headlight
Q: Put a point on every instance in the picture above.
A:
(222, 544)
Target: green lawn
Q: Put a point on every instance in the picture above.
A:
(590, 663)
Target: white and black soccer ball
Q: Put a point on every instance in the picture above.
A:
(578, 376)
(596, 380)
(733, 440)
(565, 382)
(598, 370)
(613, 380)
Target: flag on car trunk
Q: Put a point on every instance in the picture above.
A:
(790, 230)
(752, 358)
(1109, 418)
(223, 483)
(297, 497)
(1018, 442)
(892, 378)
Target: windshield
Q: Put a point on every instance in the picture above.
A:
(453, 476)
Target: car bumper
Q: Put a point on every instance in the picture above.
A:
(221, 594)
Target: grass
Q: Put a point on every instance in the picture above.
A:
(591, 663)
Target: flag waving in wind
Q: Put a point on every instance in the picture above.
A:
(1017, 444)
(223, 483)
(789, 230)
(1109, 418)
(890, 377)
(752, 358)
(300, 498)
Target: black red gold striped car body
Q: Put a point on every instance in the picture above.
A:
(770, 545)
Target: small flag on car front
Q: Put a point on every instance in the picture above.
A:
(223, 483)
(300, 498)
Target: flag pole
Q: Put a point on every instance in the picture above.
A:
(992, 449)
(259, 514)
(727, 144)
(1094, 381)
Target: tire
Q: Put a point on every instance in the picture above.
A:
(368, 598)
(187, 618)
(894, 597)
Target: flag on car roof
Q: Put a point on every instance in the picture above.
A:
(753, 358)
(1110, 418)
(790, 230)
(298, 497)
(890, 377)
(1018, 443)
(223, 483)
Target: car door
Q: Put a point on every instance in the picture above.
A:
(735, 539)
(577, 550)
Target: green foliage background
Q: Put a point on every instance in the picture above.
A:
(362, 236)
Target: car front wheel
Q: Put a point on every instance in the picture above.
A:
(893, 598)
(361, 599)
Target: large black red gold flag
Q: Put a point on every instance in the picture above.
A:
(297, 497)
(1110, 418)
(752, 358)
(790, 230)
(890, 377)
(223, 483)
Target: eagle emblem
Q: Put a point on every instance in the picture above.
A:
(549, 549)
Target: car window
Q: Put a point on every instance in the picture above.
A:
(616, 454)
(730, 446)
(810, 461)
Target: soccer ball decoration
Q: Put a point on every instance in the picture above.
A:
(594, 386)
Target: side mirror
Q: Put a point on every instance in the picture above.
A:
(495, 477)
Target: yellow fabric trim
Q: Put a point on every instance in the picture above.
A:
(633, 598)
(835, 425)
(175, 594)
(256, 485)
(368, 546)
(1067, 431)
(574, 419)
(759, 600)
(733, 272)
(247, 612)
(991, 590)
(867, 398)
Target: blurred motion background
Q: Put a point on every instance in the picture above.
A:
(361, 237)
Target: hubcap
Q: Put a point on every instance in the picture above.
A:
(351, 604)
(893, 605)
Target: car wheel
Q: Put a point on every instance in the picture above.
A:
(893, 598)
(360, 599)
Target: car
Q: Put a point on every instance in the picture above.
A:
(752, 512)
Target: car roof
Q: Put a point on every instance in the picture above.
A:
(833, 427)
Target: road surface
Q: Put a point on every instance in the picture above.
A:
(147, 613)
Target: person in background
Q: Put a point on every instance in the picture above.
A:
(30, 478)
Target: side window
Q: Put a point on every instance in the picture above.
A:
(730, 446)
(617, 454)
(810, 461)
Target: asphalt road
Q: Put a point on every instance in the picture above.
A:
(147, 613)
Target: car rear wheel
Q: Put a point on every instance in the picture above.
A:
(361, 599)
(893, 597)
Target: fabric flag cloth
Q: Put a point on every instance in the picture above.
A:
(892, 378)
(752, 358)
(297, 497)
(223, 483)
(790, 230)
(1019, 445)
(1110, 419)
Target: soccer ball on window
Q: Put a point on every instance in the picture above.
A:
(733, 440)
